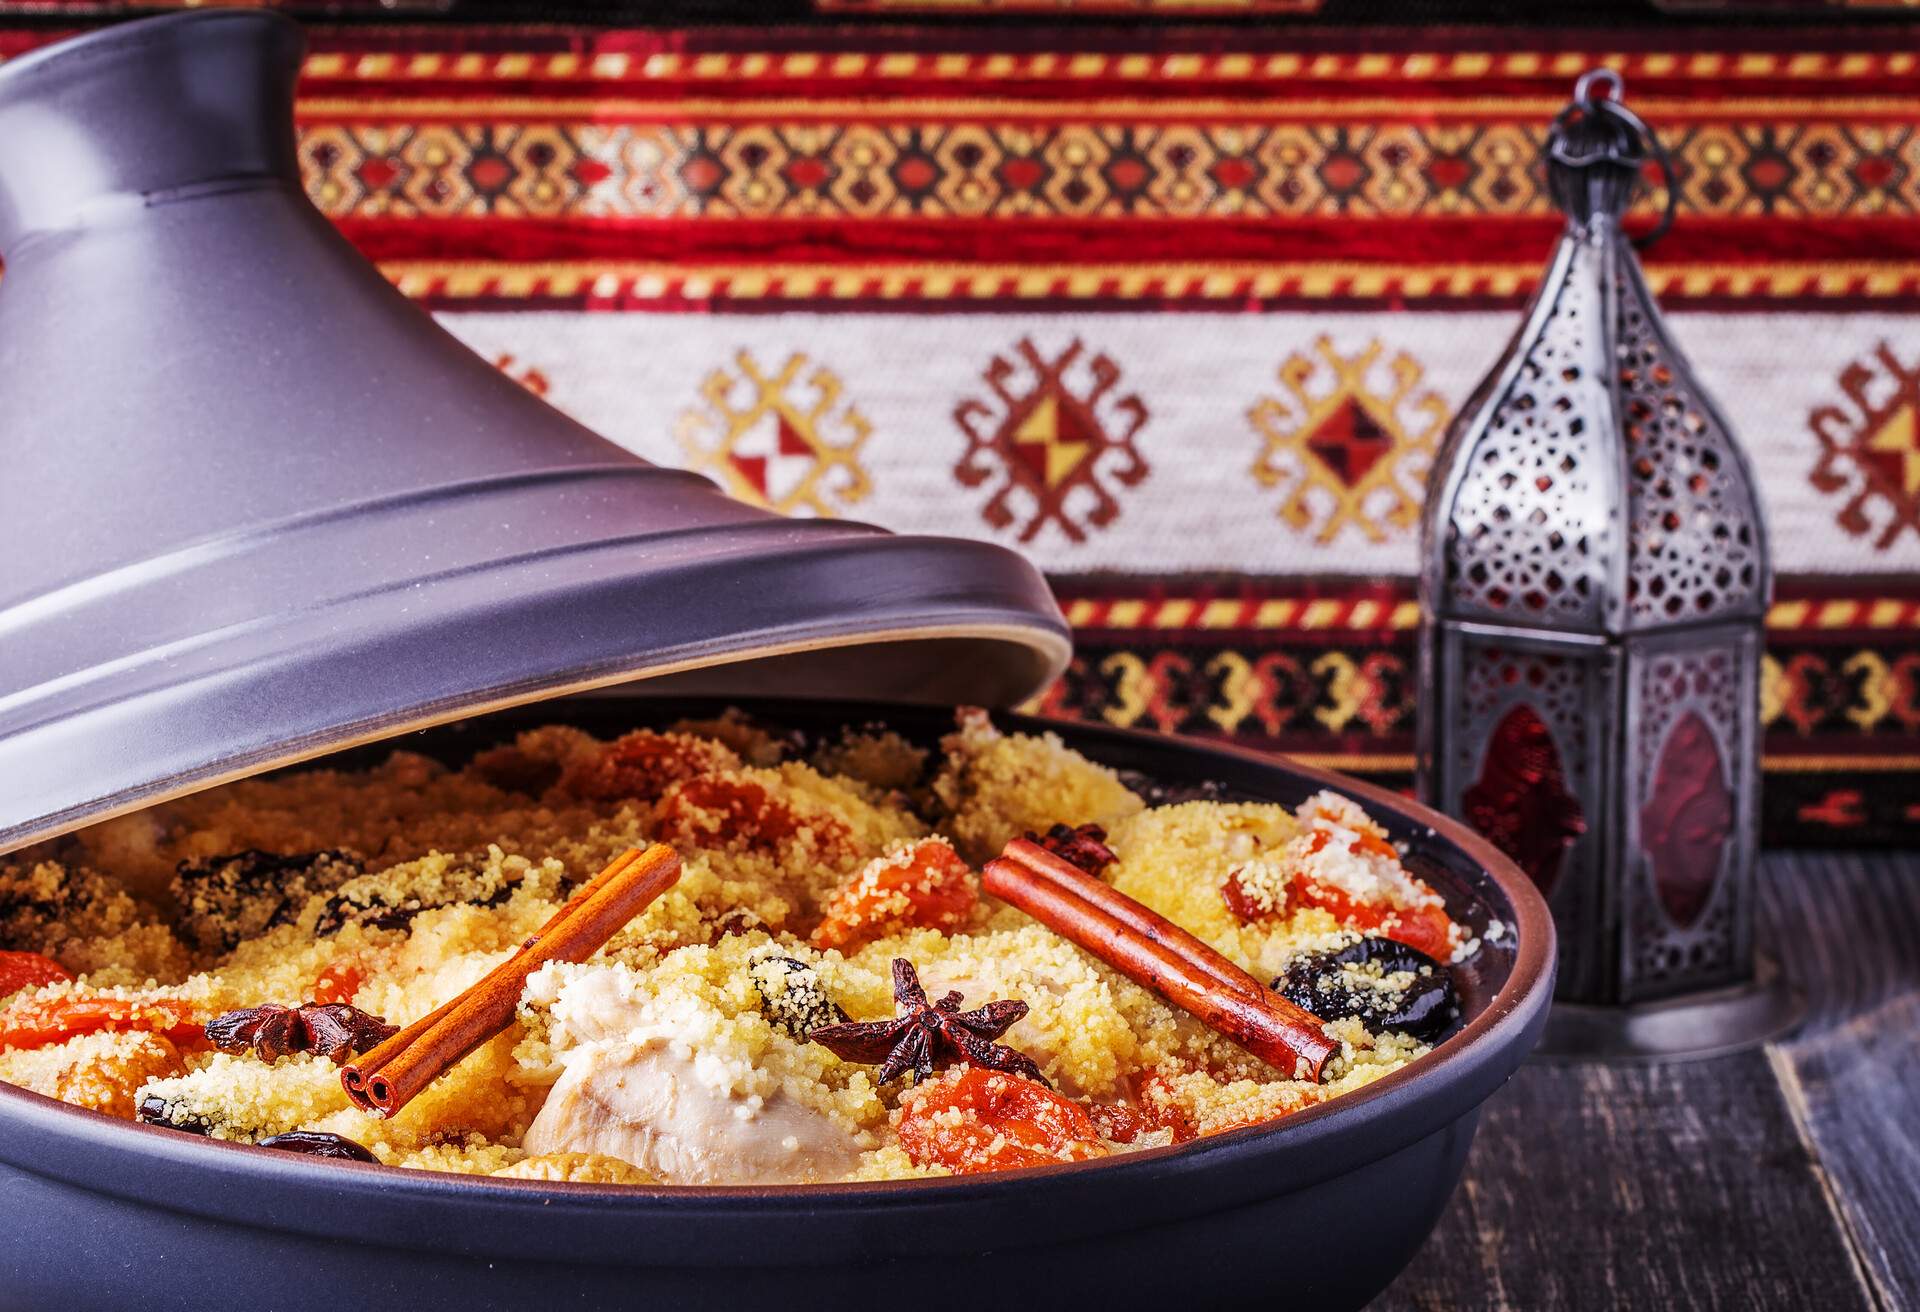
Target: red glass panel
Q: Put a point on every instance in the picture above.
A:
(1521, 802)
(1687, 819)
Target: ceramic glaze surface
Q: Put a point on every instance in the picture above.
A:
(257, 505)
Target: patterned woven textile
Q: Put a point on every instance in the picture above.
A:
(1179, 310)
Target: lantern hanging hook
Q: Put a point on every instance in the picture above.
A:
(1645, 142)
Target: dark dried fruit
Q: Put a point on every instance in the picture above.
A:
(332, 1029)
(791, 997)
(373, 903)
(224, 899)
(1084, 846)
(36, 906)
(737, 921)
(318, 1143)
(1353, 981)
(155, 1110)
(925, 1033)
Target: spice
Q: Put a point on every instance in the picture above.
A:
(1084, 846)
(318, 1143)
(1154, 952)
(332, 1029)
(393, 1074)
(923, 1033)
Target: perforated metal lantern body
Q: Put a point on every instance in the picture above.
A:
(1594, 581)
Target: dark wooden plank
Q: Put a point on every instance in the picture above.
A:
(1848, 929)
(1683, 1186)
(1785, 1179)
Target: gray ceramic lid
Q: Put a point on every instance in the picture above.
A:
(256, 506)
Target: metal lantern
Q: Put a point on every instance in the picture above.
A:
(1594, 580)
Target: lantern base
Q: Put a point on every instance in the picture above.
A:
(1708, 1024)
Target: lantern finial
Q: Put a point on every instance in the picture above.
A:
(1596, 151)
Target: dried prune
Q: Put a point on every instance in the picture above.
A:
(318, 1143)
(791, 997)
(224, 899)
(1364, 979)
(378, 902)
(156, 1110)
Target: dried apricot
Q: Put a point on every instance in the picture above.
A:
(972, 1120)
(925, 885)
(643, 765)
(34, 1022)
(340, 981)
(726, 812)
(1424, 925)
(24, 970)
(1162, 1110)
(107, 1078)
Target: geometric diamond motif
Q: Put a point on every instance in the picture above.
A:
(774, 446)
(1352, 449)
(1872, 454)
(1055, 437)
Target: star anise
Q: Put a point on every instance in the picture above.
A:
(1084, 846)
(925, 1033)
(332, 1029)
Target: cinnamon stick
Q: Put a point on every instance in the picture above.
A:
(1157, 954)
(353, 1077)
(393, 1074)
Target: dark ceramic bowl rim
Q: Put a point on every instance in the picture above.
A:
(1401, 1107)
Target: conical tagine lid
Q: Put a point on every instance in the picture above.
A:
(257, 506)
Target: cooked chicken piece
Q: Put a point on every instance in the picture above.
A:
(630, 1090)
(647, 1105)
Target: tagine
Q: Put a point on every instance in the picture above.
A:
(720, 954)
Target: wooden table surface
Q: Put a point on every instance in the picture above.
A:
(1787, 1177)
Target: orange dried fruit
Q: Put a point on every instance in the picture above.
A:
(25, 970)
(723, 811)
(644, 764)
(972, 1120)
(36, 1021)
(340, 981)
(924, 885)
(107, 1080)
